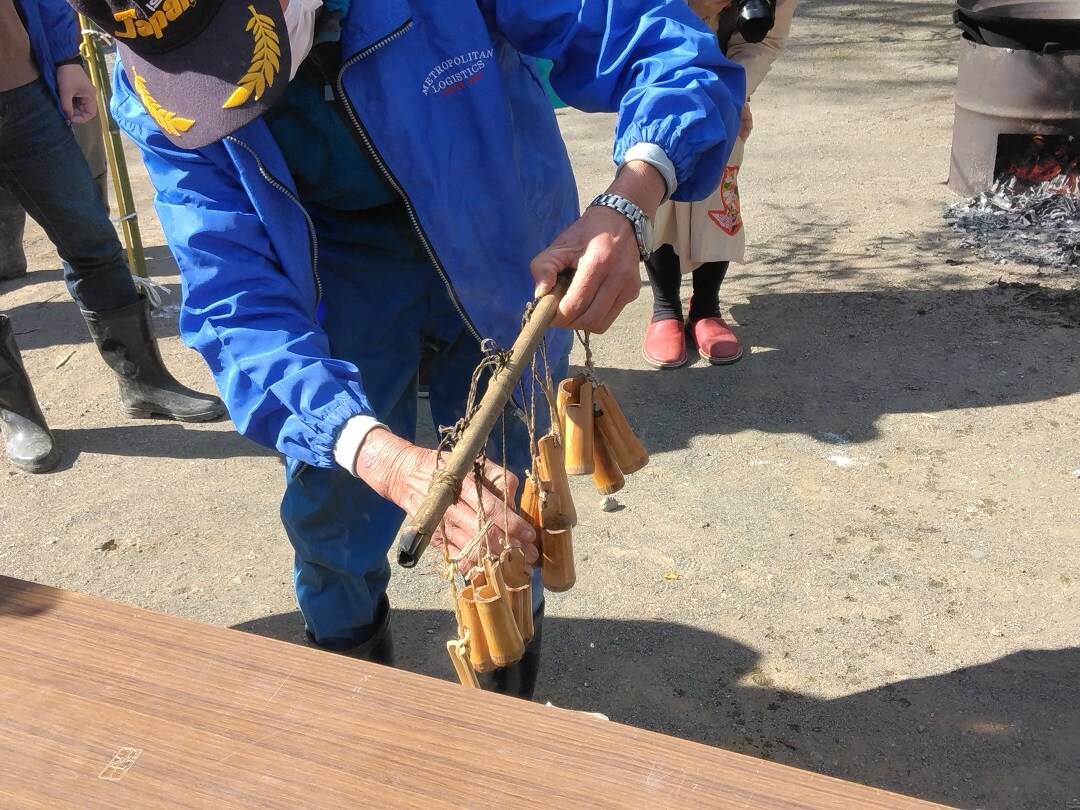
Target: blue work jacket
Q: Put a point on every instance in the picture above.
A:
(456, 118)
(53, 30)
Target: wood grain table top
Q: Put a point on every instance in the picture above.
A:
(105, 705)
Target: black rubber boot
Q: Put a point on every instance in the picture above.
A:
(378, 648)
(12, 227)
(518, 680)
(125, 339)
(28, 443)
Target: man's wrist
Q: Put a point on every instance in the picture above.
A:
(381, 462)
(352, 437)
(642, 225)
(656, 157)
(71, 60)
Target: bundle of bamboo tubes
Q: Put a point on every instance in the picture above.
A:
(494, 610)
(598, 439)
(593, 438)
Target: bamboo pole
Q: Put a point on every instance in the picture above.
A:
(416, 532)
(114, 148)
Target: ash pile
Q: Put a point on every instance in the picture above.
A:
(1031, 214)
(1039, 225)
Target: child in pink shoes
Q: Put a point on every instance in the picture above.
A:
(701, 238)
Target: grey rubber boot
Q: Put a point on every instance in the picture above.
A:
(518, 680)
(378, 648)
(125, 338)
(27, 441)
(12, 227)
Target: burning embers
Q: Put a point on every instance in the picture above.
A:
(1027, 161)
(1031, 213)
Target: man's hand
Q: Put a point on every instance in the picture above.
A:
(401, 472)
(602, 246)
(603, 249)
(78, 98)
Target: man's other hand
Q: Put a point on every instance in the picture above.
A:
(401, 472)
(78, 98)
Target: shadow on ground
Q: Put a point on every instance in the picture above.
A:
(995, 735)
(157, 438)
(836, 362)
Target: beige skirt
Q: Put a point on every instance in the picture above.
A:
(710, 230)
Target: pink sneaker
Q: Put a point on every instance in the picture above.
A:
(716, 343)
(665, 344)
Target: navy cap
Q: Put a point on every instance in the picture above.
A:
(202, 68)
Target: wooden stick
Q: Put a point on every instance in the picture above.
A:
(416, 532)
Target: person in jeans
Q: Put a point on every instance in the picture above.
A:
(43, 91)
(13, 215)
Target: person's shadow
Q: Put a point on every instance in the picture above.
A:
(1001, 734)
(829, 365)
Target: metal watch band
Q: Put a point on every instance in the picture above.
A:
(637, 218)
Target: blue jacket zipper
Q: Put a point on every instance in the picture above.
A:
(313, 241)
(384, 170)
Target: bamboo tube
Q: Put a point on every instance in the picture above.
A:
(493, 575)
(478, 578)
(557, 568)
(460, 657)
(504, 643)
(607, 477)
(530, 502)
(416, 532)
(114, 148)
(553, 470)
(479, 658)
(518, 583)
(567, 394)
(628, 452)
(578, 434)
(521, 606)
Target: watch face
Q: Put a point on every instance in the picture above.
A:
(646, 236)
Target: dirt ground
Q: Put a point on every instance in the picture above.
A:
(856, 551)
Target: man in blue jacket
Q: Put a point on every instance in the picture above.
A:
(43, 90)
(342, 184)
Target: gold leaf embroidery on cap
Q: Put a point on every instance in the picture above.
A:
(265, 61)
(169, 122)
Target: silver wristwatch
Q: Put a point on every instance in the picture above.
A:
(642, 225)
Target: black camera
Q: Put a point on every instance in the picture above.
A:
(756, 18)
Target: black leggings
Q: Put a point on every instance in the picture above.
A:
(665, 277)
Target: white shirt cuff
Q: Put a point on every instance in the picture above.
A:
(351, 437)
(657, 158)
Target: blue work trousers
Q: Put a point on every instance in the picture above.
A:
(378, 314)
(42, 166)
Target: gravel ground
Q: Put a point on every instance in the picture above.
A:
(855, 551)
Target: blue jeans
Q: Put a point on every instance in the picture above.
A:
(42, 166)
(340, 529)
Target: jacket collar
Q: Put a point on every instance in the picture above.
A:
(369, 22)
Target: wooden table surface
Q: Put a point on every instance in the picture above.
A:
(104, 705)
